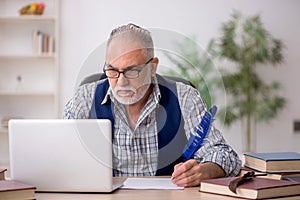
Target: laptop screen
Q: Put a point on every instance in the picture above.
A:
(62, 155)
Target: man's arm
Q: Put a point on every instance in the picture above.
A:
(78, 107)
(215, 158)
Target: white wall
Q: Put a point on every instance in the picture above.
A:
(85, 24)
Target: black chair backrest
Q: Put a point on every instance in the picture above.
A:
(99, 76)
(93, 78)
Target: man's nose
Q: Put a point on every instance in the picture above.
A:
(122, 81)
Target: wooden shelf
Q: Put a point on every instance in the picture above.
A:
(26, 93)
(35, 94)
(24, 18)
(29, 56)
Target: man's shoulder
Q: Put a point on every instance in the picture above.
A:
(182, 87)
(88, 89)
(174, 81)
(187, 94)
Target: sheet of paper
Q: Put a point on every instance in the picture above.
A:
(150, 184)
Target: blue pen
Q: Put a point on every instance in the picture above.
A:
(195, 141)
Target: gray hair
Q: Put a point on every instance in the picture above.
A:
(133, 33)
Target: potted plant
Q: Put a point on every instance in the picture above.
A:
(196, 65)
(248, 45)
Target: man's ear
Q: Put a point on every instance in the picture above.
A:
(154, 62)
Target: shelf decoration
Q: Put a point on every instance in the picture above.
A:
(19, 85)
(33, 9)
(43, 43)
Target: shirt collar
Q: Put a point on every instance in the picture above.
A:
(108, 96)
(156, 91)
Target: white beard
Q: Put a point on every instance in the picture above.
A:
(128, 95)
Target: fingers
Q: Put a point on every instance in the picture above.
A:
(183, 167)
(189, 181)
(186, 174)
(177, 170)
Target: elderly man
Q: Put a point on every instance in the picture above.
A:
(152, 116)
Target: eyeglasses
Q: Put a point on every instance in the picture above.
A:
(130, 72)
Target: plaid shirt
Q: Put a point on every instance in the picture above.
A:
(135, 152)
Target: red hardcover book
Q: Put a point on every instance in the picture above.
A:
(256, 188)
(13, 190)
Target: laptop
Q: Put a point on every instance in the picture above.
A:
(63, 155)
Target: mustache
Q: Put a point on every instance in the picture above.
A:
(120, 88)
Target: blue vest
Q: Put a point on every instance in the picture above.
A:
(170, 125)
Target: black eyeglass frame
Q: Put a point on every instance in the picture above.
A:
(137, 69)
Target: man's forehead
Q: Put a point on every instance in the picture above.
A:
(118, 51)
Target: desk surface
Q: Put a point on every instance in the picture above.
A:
(121, 194)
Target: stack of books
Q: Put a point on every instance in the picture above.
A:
(2, 174)
(278, 165)
(14, 190)
(276, 174)
(43, 43)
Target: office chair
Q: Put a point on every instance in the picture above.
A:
(99, 76)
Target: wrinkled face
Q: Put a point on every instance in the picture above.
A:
(129, 91)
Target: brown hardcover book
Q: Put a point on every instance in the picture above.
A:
(2, 174)
(256, 188)
(273, 162)
(13, 190)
